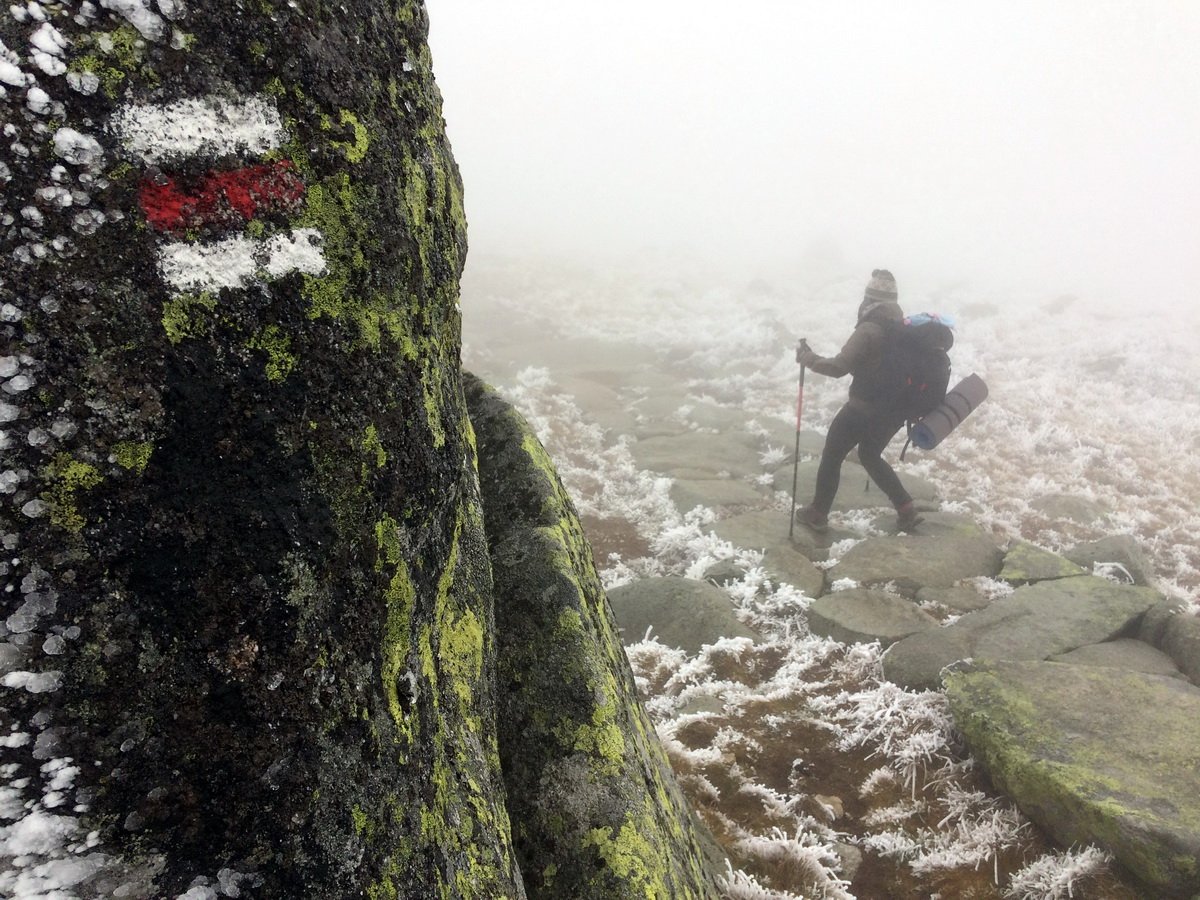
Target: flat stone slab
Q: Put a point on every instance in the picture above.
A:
(937, 524)
(1026, 563)
(681, 612)
(697, 452)
(1123, 653)
(861, 615)
(1094, 756)
(913, 562)
(1035, 622)
(766, 528)
(715, 493)
(855, 489)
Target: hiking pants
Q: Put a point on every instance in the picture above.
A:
(871, 432)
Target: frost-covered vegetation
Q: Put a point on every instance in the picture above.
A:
(802, 759)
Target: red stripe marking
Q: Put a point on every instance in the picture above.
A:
(222, 199)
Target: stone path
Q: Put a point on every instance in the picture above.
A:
(1078, 695)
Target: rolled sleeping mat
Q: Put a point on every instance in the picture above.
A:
(960, 400)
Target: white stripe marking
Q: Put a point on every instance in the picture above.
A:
(236, 261)
(211, 127)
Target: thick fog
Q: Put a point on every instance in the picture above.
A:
(1025, 148)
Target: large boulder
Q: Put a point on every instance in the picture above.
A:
(594, 806)
(680, 612)
(914, 562)
(1094, 756)
(246, 509)
(861, 615)
(1033, 623)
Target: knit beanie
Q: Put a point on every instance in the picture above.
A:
(882, 286)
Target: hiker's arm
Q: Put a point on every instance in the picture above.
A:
(857, 348)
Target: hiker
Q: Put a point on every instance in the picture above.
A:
(864, 421)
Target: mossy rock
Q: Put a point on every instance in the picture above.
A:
(1035, 622)
(595, 809)
(1094, 756)
(1026, 563)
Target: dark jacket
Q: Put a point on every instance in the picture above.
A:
(862, 352)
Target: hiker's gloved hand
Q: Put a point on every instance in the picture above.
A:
(805, 356)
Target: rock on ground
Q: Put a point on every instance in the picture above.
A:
(1123, 653)
(594, 806)
(1094, 756)
(1121, 549)
(697, 452)
(1033, 623)
(714, 493)
(1176, 633)
(1025, 563)
(763, 529)
(682, 612)
(855, 490)
(862, 615)
(914, 562)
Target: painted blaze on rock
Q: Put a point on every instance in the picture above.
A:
(238, 474)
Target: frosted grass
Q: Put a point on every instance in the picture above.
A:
(1104, 423)
(1097, 404)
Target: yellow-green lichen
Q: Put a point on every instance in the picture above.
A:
(114, 55)
(602, 738)
(132, 455)
(387, 542)
(277, 346)
(339, 209)
(361, 822)
(632, 857)
(462, 655)
(187, 315)
(401, 597)
(357, 150)
(110, 77)
(66, 477)
(373, 446)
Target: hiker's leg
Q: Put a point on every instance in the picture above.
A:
(879, 433)
(845, 431)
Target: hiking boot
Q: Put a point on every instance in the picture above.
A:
(907, 518)
(812, 518)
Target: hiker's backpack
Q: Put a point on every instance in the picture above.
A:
(914, 370)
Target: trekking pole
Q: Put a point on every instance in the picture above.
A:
(803, 345)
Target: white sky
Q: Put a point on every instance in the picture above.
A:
(1051, 146)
